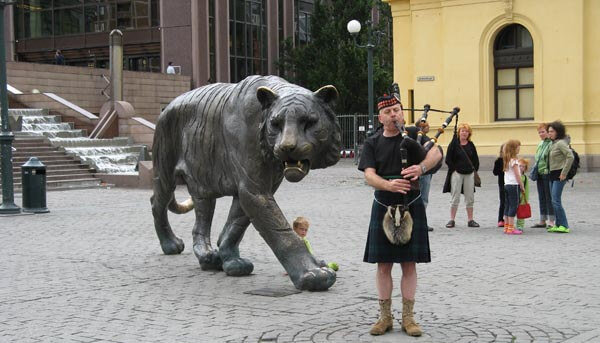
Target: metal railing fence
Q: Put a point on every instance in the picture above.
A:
(354, 132)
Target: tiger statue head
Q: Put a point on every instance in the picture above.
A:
(300, 129)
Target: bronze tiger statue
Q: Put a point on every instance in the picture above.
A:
(241, 140)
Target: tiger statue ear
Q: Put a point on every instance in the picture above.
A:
(327, 93)
(266, 96)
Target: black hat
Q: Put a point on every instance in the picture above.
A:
(387, 101)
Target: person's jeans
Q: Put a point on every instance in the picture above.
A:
(502, 203)
(425, 185)
(466, 183)
(556, 188)
(512, 200)
(545, 198)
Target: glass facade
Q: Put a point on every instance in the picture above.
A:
(248, 38)
(47, 18)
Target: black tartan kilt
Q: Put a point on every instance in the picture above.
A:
(379, 248)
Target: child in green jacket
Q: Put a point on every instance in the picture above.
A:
(523, 199)
(301, 226)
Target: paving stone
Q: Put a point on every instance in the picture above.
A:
(92, 270)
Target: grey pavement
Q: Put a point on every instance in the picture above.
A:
(92, 270)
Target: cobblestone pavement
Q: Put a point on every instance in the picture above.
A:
(92, 270)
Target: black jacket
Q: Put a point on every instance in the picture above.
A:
(462, 160)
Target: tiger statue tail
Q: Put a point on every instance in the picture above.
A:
(181, 208)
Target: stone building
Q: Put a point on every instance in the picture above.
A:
(508, 64)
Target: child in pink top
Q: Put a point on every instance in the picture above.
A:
(513, 185)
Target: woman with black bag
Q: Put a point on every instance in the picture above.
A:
(463, 164)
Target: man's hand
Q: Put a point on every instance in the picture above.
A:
(398, 186)
(413, 172)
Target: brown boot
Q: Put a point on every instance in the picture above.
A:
(408, 322)
(386, 321)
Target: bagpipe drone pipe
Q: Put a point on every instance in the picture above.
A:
(417, 149)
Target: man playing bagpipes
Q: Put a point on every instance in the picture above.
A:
(392, 162)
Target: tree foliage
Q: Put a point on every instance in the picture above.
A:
(332, 57)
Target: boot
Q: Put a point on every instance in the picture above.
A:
(385, 321)
(408, 322)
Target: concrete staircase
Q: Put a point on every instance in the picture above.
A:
(72, 159)
(62, 171)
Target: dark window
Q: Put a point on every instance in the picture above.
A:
(211, 41)
(124, 15)
(303, 10)
(64, 3)
(248, 44)
(96, 18)
(36, 24)
(154, 13)
(142, 63)
(68, 21)
(513, 74)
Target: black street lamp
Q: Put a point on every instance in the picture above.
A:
(373, 38)
(6, 136)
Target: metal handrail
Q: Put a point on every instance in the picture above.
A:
(103, 92)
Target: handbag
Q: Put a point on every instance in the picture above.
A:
(476, 178)
(533, 174)
(524, 211)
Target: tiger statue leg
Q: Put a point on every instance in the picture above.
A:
(207, 256)
(302, 267)
(229, 241)
(164, 186)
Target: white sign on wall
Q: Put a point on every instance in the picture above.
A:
(426, 78)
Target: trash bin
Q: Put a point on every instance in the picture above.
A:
(33, 181)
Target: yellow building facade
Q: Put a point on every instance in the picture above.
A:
(508, 64)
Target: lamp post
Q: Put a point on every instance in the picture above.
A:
(6, 136)
(373, 38)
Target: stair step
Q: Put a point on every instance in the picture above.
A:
(59, 172)
(57, 167)
(42, 157)
(48, 163)
(60, 177)
(29, 142)
(21, 146)
(65, 184)
(38, 154)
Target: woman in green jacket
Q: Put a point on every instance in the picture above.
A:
(560, 161)
(543, 181)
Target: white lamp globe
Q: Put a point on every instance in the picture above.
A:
(353, 26)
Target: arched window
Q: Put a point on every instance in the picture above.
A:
(513, 74)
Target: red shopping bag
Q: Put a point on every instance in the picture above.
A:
(524, 211)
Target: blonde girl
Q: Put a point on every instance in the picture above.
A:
(513, 185)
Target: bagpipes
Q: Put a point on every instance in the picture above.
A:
(417, 150)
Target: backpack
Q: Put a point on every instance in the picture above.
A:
(575, 164)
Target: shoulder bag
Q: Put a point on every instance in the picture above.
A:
(477, 179)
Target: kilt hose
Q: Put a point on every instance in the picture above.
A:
(379, 248)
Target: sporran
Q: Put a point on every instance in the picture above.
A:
(398, 224)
